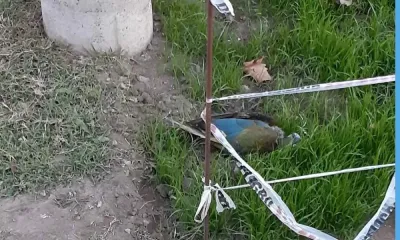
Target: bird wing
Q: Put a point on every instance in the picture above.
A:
(256, 138)
(199, 123)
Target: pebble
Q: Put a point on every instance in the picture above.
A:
(163, 190)
(140, 87)
(156, 17)
(128, 231)
(146, 222)
(145, 98)
(245, 89)
(133, 99)
(150, 47)
(126, 162)
(143, 79)
(134, 92)
(123, 86)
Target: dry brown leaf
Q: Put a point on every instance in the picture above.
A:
(257, 70)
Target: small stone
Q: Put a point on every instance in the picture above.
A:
(151, 47)
(146, 222)
(134, 212)
(133, 99)
(43, 193)
(162, 107)
(167, 99)
(143, 79)
(146, 98)
(139, 87)
(245, 88)
(156, 17)
(123, 79)
(157, 26)
(128, 231)
(114, 143)
(163, 190)
(123, 86)
(126, 162)
(99, 204)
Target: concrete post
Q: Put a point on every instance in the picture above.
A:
(87, 26)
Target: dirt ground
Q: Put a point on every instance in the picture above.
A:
(387, 231)
(124, 205)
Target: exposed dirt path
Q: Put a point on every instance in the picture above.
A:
(123, 205)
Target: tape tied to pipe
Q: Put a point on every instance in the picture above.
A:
(223, 201)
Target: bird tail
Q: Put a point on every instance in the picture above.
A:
(191, 130)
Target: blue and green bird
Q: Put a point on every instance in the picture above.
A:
(246, 132)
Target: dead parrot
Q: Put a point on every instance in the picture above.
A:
(246, 132)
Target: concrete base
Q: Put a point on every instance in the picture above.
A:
(118, 26)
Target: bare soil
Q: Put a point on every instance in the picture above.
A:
(386, 232)
(124, 205)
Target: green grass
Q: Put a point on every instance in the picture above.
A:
(305, 42)
(50, 105)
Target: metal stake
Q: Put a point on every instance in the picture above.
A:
(207, 148)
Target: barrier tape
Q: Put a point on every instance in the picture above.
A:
(266, 193)
(223, 201)
(264, 190)
(313, 88)
(223, 6)
(317, 175)
(221, 198)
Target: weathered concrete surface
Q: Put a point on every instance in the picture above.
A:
(121, 26)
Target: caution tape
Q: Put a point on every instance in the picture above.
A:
(317, 175)
(264, 190)
(266, 193)
(221, 198)
(223, 6)
(313, 88)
